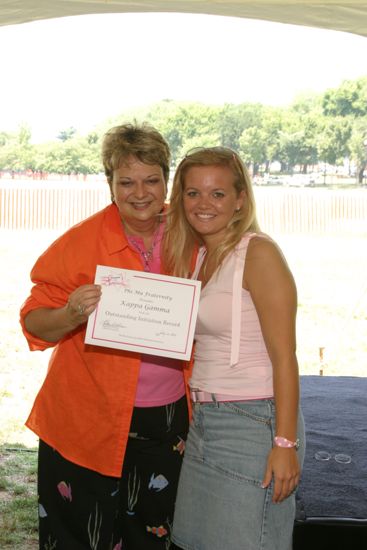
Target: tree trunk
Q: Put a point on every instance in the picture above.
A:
(361, 172)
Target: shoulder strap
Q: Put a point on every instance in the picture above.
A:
(240, 258)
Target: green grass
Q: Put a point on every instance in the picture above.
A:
(18, 498)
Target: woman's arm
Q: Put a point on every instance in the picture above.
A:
(52, 324)
(273, 291)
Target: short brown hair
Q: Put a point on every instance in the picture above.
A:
(139, 140)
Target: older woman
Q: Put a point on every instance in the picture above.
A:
(111, 423)
(246, 442)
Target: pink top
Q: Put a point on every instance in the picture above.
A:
(230, 353)
(160, 379)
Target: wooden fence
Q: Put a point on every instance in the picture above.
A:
(30, 205)
(312, 210)
(49, 204)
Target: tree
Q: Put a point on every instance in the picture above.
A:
(75, 156)
(334, 139)
(16, 150)
(349, 99)
(67, 134)
(298, 140)
(252, 147)
(307, 102)
(4, 138)
(233, 120)
(165, 117)
(185, 125)
(260, 144)
(358, 146)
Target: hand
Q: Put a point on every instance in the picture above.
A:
(283, 466)
(82, 302)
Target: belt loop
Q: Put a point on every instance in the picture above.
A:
(215, 400)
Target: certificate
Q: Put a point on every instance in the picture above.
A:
(144, 312)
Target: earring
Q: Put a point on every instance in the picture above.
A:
(112, 199)
(237, 209)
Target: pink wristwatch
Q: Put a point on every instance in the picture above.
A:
(285, 443)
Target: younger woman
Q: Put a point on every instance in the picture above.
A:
(246, 442)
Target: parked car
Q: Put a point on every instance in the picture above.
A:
(300, 180)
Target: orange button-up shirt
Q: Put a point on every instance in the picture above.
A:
(85, 404)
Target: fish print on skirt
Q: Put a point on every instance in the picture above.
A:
(135, 435)
(180, 446)
(41, 511)
(160, 531)
(65, 490)
(116, 491)
(157, 483)
(132, 492)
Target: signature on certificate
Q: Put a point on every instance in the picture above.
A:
(112, 326)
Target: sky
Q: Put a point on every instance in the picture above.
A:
(79, 71)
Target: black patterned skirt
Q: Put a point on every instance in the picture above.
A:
(80, 509)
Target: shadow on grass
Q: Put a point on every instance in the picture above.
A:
(18, 497)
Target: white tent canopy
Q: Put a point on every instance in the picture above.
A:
(349, 15)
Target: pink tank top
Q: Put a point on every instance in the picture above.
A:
(230, 353)
(160, 379)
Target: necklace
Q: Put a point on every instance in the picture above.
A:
(146, 255)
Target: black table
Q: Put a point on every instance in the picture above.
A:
(332, 495)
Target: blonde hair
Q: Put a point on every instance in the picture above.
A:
(180, 238)
(138, 140)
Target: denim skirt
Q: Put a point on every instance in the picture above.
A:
(220, 502)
